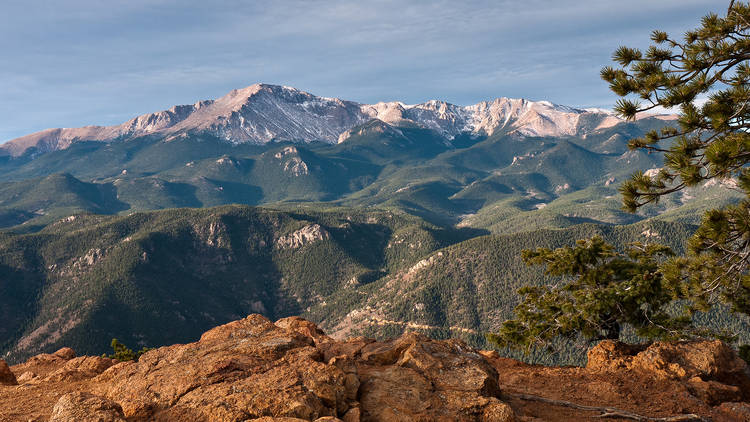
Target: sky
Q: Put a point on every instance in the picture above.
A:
(100, 62)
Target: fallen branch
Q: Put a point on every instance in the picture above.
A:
(607, 412)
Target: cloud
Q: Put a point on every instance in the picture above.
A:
(100, 62)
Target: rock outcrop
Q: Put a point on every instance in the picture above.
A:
(84, 407)
(79, 368)
(6, 376)
(306, 235)
(257, 370)
(254, 368)
(711, 370)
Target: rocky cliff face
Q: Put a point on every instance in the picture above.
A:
(263, 113)
(254, 369)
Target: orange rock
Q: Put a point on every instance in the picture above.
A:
(65, 353)
(304, 327)
(498, 412)
(610, 355)
(84, 407)
(350, 348)
(289, 371)
(6, 376)
(713, 392)
(81, 368)
(489, 354)
(26, 377)
(416, 378)
(683, 360)
(247, 367)
(253, 369)
(711, 370)
(736, 411)
(44, 358)
(353, 415)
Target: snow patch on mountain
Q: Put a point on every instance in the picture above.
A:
(264, 113)
(652, 173)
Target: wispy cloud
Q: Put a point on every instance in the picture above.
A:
(99, 62)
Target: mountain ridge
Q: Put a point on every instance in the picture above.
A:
(263, 113)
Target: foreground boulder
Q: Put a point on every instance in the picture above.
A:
(711, 370)
(415, 378)
(254, 368)
(84, 407)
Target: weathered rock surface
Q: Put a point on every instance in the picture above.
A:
(254, 368)
(736, 411)
(710, 369)
(65, 353)
(84, 407)
(26, 377)
(306, 235)
(414, 377)
(6, 376)
(81, 368)
(290, 371)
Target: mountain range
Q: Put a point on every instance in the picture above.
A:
(264, 113)
(367, 219)
(267, 144)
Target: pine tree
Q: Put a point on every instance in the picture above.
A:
(123, 353)
(605, 290)
(710, 141)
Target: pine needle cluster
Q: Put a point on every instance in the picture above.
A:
(603, 290)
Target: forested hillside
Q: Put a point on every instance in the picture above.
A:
(88, 278)
(85, 279)
(407, 167)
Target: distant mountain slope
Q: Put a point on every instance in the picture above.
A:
(269, 144)
(263, 113)
(468, 289)
(410, 168)
(86, 279)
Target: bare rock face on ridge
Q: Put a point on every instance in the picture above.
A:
(84, 407)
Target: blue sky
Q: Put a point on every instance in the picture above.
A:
(78, 62)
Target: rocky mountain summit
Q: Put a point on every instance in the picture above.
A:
(262, 113)
(256, 370)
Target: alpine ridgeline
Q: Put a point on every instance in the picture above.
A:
(263, 113)
(473, 165)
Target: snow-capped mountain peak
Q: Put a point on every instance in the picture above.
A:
(261, 113)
